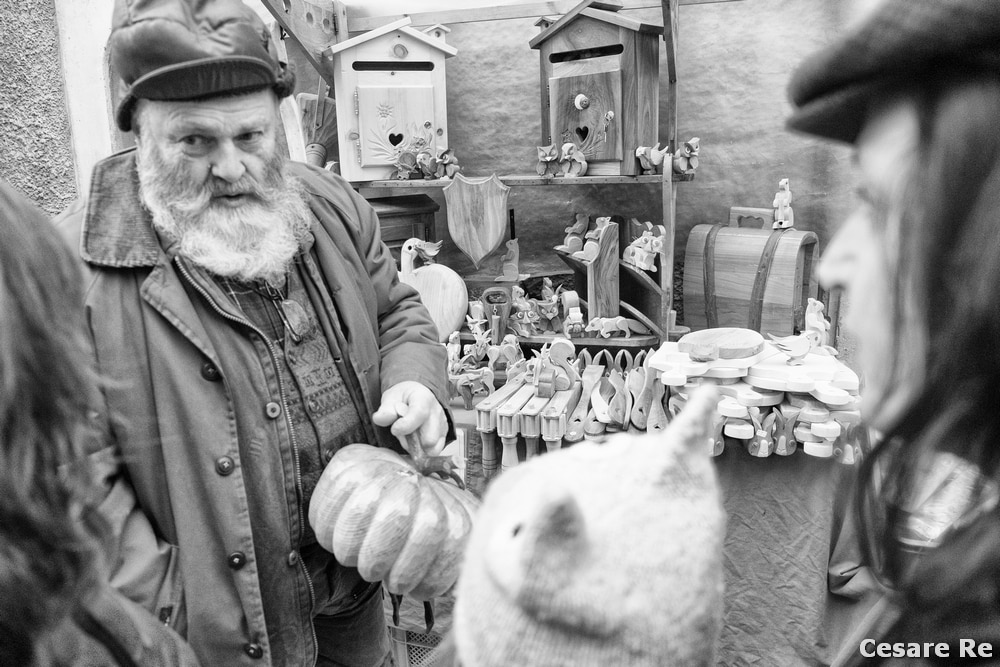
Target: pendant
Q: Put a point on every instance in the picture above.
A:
(296, 319)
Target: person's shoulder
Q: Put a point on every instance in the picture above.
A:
(320, 182)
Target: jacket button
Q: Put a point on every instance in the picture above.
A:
(236, 560)
(224, 465)
(210, 372)
(293, 558)
(272, 410)
(255, 651)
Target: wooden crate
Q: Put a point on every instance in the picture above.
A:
(744, 277)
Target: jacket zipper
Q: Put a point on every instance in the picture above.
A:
(288, 423)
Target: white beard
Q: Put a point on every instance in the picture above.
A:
(256, 241)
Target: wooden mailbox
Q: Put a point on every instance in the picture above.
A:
(599, 83)
(390, 91)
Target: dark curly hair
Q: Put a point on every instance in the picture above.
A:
(49, 538)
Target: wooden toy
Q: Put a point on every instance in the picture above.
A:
(468, 382)
(486, 422)
(477, 214)
(657, 419)
(572, 161)
(823, 376)
(783, 214)
(753, 278)
(815, 321)
(475, 353)
(507, 352)
(442, 290)
(761, 443)
(554, 416)
(574, 234)
(605, 327)
(796, 347)
(496, 308)
(643, 251)
(599, 261)
(548, 312)
(391, 100)
(591, 376)
(685, 159)
(651, 158)
(548, 161)
(509, 264)
(599, 85)
(721, 343)
(509, 424)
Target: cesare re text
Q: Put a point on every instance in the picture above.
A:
(967, 648)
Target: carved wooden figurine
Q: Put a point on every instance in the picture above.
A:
(574, 234)
(523, 313)
(798, 346)
(783, 215)
(442, 290)
(572, 161)
(605, 327)
(548, 161)
(686, 157)
(651, 158)
(815, 320)
(509, 263)
(642, 252)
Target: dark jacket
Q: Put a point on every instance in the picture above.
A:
(190, 405)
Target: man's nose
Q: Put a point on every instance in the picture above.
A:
(227, 162)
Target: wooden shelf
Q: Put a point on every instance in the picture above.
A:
(635, 341)
(369, 188)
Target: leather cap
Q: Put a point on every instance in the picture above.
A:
(191, 49)
(896, 45)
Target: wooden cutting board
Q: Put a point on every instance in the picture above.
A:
(721, 343)
(444, 294)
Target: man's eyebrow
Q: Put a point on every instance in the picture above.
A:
(198, 126)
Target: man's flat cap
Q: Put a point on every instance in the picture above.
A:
(191, 49)
(897, 44)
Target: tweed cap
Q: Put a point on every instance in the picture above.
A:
(896, 45)
(191, 49)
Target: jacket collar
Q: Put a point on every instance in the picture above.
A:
(117, 228)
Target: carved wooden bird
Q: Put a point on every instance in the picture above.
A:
(796, 347)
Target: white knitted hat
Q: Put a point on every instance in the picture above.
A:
(600, 554)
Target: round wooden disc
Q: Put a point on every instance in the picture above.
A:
(721, 343)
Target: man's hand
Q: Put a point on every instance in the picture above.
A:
(410, 407)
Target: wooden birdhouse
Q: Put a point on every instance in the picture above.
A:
(390, 91)
(599, 83)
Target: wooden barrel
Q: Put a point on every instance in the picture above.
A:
(743, 277)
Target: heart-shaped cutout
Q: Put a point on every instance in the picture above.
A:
(582, 132)
(395, 139)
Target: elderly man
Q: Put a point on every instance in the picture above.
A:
(248, 322)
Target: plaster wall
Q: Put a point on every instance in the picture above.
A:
(35, 154)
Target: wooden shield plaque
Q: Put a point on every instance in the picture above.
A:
(477, 214)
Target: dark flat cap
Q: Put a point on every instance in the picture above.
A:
(191, 49)
(899, 43)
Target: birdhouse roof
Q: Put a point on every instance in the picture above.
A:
(590, 9)
(402, 25)
(437, 26)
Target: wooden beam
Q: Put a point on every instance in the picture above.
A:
(360, 20)
(277, 9)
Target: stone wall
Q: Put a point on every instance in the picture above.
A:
(35, 148)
